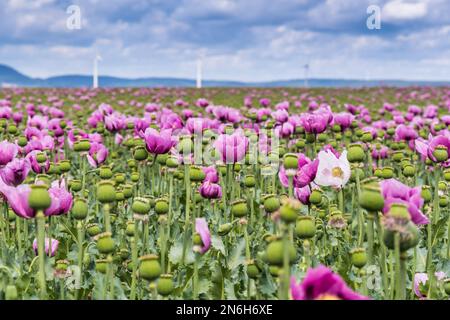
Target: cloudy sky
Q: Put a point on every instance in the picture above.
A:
(248, 40)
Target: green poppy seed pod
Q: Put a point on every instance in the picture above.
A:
(367, 137)
(11, 215)
(440, 153)
(12, 129)
(43, 178)
(405, 242)
(114, 155)
(39, 198)
(447, 175)
(129, 230)
(336, 128)
(93, 229)
(141, 206)
(358, 257)
(101, 265)
(105, 243)
(338, 136)
(161, 206)
(124, 253)
(165, 285)
(85, 145)
(61, 265)
(172, 162)
(64, 165)
(134, 177)
(274, 270)
(310, 137)
(305, 227)
(371, 198)
(22, 141)
(443, 201)
(300, 143)
(185, 145)
(289, 210)
(355, 153)
(196, 174)
(105, 172)
(237, 167)
(224, 229)
(75, 185)
(378, 173)
(222, 169)
(290, 161)
(390, 131)
(271, 203)
(131, 163)
(119, 195)
(149, 268)
(399, 211)
(387, 172)
(315, 197)
(446, 286)
(442, 186)
(79, 209)
(274, 253)
(239, 208)
(106, 192)
(249, 181)
(127, 190)
(76, 146)
(41, 157)
(409, 170)
(321, 213)
(162, 158)
(322, 137)
(197, 240)
(397, 156)
(11, 292)
(253, 271)
(426, 193)
(119, 178)
(140, 153)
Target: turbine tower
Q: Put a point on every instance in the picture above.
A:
(95, 73)
(199, 72)
(306, 68)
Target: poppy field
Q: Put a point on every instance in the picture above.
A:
(225, 193)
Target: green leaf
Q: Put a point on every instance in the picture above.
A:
(237, 257)
(217, 244)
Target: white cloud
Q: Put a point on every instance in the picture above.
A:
(400, 10)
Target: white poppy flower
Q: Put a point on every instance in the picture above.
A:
(332, 171)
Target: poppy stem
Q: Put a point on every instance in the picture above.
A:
(40, 220)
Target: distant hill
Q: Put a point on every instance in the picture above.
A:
(11, 77)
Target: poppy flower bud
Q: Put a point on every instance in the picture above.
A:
(106, 192)
(358, 257)
(79, 209)
(172, 162)
(140, 206)
(253, 270)
(101, 265)
(356, 153)
(274, 252)
(196, 174)
(105, 172)
(105, 243)
(140, 153)
(39, 198)
(129, 231)
(305, 227)
(316, 196)
(224, 229)
(239, 208)
(371, 198)
(289, 210)
(290, 161)
(409, 170)
(22, 141)
(64, 165)
(440, 153)
(165, 285)
(161, 206)
(11, 292)
(93, 229)
(84, 145)
(149, 268)
(271, 203)
(249, 181)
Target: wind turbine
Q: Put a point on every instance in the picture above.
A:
(95, 73)
(199, 72)
(306, 69)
